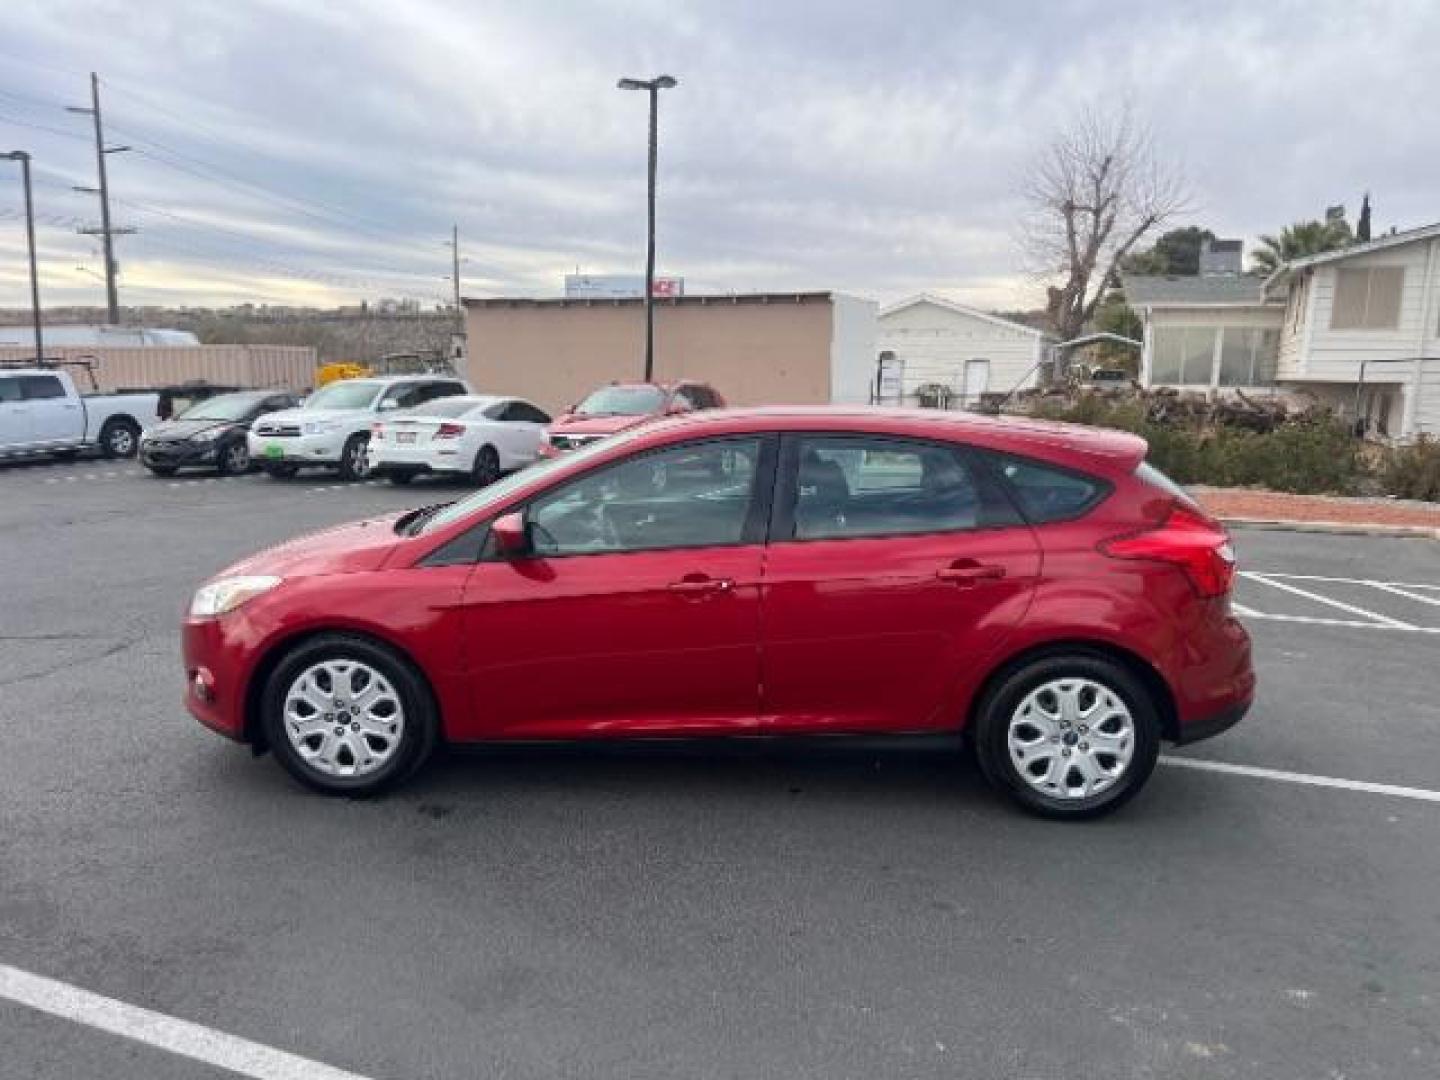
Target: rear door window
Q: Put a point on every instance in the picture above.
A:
(9, 389)
(857, 486)
(1046, 492)
(41, 386)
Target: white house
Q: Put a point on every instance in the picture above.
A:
(928, 340)
(1362, 326)
(1206, 332)
(1358, 328)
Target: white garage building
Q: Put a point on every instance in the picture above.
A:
(928, 340)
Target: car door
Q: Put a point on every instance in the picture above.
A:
(895, 568)
(637, 610)
(520, 433)
(54, 417)
(15, 426)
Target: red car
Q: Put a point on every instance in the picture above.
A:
(1036, 587)
(621, 406)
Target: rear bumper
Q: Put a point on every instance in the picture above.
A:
(1210, 726)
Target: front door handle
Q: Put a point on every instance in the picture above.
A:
(968, 572)
(700, 584)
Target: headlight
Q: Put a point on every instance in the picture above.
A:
(227, 594)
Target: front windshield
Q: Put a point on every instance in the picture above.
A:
(623, 401)
(502, 489)
(223, 407)
(347, 394)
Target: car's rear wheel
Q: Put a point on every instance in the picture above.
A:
(486, 469)
(355, 458)
(234, 459)
(119, 438)
(1068, 735)
(346, 716)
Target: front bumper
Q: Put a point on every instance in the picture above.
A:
(175, 455)
(215, 674)
(323, 449)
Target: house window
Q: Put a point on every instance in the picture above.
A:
(1368, 298)
(1183, 356)
(1248, 357)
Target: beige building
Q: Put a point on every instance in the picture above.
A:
(755, 349)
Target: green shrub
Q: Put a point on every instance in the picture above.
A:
(1413, 472)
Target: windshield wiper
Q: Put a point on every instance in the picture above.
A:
(411, 523)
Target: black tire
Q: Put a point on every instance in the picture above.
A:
(162, 470)
(281, 472)
(421, 718)
(992, 728)
(233, 458)
(119, 437)
(486, 469)
(355, 458)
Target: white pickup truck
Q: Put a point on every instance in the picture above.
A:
(41, 412)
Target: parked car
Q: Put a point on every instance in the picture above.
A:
(1035, 587)
(621, 406)
(41, 412)
(475, 435)
(211, 433)
(332, 428)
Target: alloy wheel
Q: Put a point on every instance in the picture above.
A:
(343, 718)
(1071, 738)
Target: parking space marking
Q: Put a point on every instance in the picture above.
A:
(1311, 620)
(1375, 616)
(155, 1029)
(1346, 580)
(1308, 779)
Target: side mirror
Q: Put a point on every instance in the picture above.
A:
(510, 535)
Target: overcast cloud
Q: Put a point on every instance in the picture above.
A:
(305, 152)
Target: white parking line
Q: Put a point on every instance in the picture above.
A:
(1312, 620)
(1309, 779)
(1383, 620)
(1346, 580)
(180, 1037)
(1396, 590)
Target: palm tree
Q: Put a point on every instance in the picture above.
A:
(1298, 240)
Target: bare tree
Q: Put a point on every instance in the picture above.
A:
(1094, 193)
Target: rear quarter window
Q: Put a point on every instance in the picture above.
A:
(1046, 492)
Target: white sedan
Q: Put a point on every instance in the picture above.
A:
(479, 436)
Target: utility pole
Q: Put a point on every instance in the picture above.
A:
(653, 86)
(106, 231)
(24, 159)
(459, 334)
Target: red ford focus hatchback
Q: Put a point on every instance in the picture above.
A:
(1037, 588)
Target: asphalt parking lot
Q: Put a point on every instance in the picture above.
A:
(1272, 913)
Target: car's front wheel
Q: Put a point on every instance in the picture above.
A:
(355, 458)
(346, 716)
(1068, 735)
(234, 458)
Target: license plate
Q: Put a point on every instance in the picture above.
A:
(273, 450)
(404, 438)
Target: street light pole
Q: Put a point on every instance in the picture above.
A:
(24, 159)
(654, 86)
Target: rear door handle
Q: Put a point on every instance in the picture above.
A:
(968, 572)
(699, 584)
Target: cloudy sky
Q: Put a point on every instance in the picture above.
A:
(303, 151)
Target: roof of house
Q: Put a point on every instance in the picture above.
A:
(1174, 290)
(1380, 243)
(960, 309)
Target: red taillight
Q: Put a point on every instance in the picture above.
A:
(1187, 539)
(450, 431)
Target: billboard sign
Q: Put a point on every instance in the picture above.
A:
(618, 286)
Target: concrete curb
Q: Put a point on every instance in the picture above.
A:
(1338, 528)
